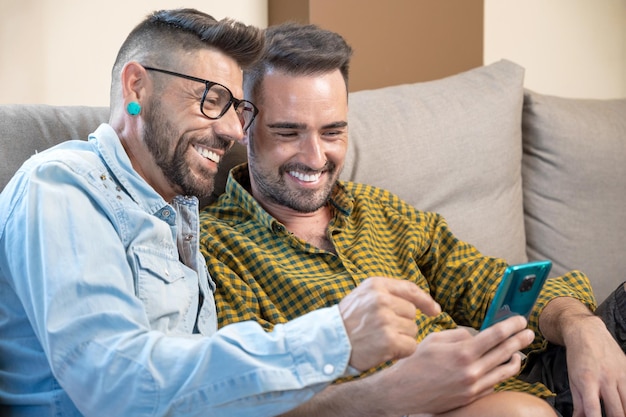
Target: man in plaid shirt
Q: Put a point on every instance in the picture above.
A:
(288, 237)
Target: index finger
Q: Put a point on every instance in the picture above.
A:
(409, 291)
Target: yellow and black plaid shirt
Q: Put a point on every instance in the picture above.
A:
(265, 273)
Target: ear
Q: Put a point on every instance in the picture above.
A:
(134, 82)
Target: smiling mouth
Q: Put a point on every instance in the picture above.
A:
(208, 154)
(305, 177)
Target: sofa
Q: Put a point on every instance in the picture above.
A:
(519, 174)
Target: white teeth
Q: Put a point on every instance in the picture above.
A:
(305, 177)
(208, 154)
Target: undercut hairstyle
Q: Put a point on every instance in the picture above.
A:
(297, 49)
(164, 36)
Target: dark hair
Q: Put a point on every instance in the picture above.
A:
(297, 49)
(163, 35)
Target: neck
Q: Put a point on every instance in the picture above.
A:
(295, 220)
(311, 227)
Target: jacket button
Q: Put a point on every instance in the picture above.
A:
(329, 369)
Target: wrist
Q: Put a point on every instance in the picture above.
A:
(380, 392)
(577, 328)
(561, 319)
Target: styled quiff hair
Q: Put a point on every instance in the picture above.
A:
(298, 49)
(163, 37)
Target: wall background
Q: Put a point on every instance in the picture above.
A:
(413, 40)
(60, 51)
(572, 48)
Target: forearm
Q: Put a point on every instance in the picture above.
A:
(363, 397)
(595, 362)
(242, 356)
(563, 317)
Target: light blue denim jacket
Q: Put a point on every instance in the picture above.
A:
(106, 307)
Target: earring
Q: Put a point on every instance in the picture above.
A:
(133, 108)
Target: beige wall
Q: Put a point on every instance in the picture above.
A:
(61, 51)
(571, 48)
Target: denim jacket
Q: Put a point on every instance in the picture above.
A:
(106, 307)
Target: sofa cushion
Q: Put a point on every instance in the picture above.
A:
(451, 145)
(29, 128)
(574, 170)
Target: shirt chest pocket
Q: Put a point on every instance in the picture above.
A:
(167, 289)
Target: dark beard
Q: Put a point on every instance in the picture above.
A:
(158, 133)
(275, 189)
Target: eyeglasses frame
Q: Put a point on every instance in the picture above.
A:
(233, 101)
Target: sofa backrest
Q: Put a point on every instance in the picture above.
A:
(542, 181)
(26, 129)
(519, 174)
(574, 172)
(452, 145)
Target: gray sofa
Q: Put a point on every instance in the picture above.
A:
(520, 174)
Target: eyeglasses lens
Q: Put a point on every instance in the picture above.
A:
(216, 100)
(246, 112)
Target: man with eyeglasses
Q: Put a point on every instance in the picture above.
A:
(292, 237)
(106, 307)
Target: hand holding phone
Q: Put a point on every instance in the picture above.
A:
(517, 292)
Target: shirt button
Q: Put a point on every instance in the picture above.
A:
(329, 369)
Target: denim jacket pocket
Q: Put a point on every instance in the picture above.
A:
(168, 270)
(165, 287)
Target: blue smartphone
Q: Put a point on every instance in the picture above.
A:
(517, 292)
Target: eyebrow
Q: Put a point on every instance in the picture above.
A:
(302, 126)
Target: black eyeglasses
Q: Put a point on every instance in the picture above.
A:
(217, 99)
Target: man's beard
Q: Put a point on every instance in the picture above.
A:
(274, 188)
(158, 134)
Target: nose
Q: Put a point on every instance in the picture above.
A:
(229, 125)
(313, 150)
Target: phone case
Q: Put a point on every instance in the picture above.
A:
(517, 292)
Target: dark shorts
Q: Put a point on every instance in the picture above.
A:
(550, 367)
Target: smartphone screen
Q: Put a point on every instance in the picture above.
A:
(517, 292)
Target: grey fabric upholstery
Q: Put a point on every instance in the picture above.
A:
(519, 174)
